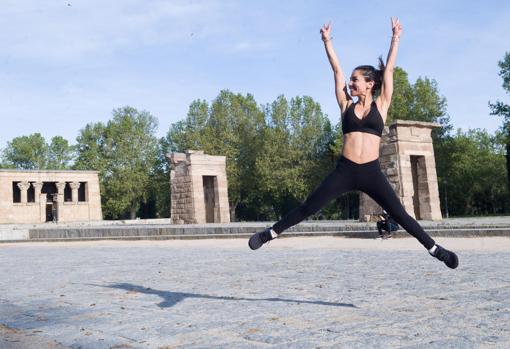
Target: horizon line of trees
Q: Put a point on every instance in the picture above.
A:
(276, 153)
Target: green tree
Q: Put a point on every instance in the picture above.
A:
(132, 151)
(430, 106)
(233, 129)
(275, 168)
(26, 152)
(125, 152)
(189, 133)
(403, 96)
(231, 126)
(160, 188)
(474, 156)
(91, 152)
(502, 109)
(60, 153)
(420, 101)
(33, 153)
(295, 154)
(158, 201)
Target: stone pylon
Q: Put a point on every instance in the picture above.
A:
(199, 188)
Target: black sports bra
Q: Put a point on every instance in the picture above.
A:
(372, 123)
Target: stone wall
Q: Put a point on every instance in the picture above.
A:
(182, 209)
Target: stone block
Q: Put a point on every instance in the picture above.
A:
(391, 172)
(389, 149)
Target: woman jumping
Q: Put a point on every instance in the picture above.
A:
(358, 168)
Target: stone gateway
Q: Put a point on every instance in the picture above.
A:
(199, 188)
(407, 159)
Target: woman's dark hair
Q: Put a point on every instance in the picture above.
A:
(372, 74)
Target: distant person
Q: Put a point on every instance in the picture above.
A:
(358, 168)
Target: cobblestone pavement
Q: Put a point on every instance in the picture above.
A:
(295, 293)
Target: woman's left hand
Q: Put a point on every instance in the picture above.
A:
(396, 27)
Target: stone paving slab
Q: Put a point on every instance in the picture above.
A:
(295, 293)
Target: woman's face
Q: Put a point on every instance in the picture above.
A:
(358, 85)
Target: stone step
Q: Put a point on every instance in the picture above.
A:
(14, 234)
(162, 229)
(162, 233)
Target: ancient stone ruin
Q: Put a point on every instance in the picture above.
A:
(38, 196)
(199, 188)
(407, 159)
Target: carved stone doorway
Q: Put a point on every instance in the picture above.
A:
(419, 182)
(209, 184)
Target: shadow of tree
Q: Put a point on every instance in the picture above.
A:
(172, 298)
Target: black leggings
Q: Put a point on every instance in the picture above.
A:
(367, 178)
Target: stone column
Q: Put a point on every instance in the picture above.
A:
(75, 186)
(23, 187)
(37, 191)
(60, 188)
(40, 199)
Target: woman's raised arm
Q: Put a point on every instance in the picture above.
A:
(342, 96)
(387, 82)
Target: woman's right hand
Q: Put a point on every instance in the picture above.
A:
(326, 32)
(342, 96)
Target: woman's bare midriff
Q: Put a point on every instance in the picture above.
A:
(361, 147)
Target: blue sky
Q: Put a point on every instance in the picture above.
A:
(69, 63)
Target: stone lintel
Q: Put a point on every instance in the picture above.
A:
(413, 123)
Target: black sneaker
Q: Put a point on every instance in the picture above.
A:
(385, 236)
(448, 257)
(260, 238)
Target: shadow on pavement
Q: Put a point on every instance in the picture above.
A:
(172, 298)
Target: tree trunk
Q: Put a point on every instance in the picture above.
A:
(233, 207)
(132, 211)
(508, 162)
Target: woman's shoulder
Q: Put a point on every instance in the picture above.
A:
(350, 103)
(344, 110)
(380, 108)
